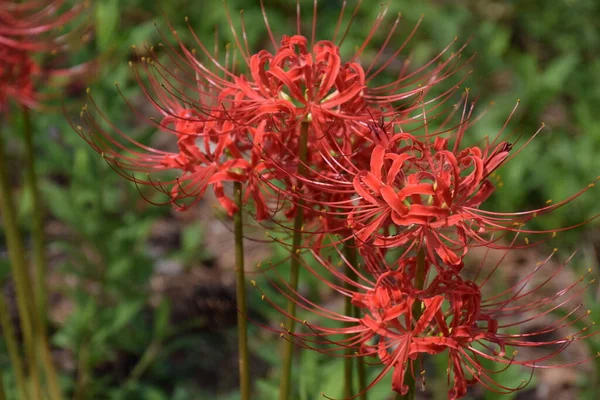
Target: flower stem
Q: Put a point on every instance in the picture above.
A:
(244, 362)
(351, 257)
(8, 332)
(150, 354)
(39, 313)
(39, 254)
(350, 252)
(48, 363)
(31, 325)
(417, 311)
(284, 386)
(419, 282)
(82, 371)
(16, 252)
(360, 364)
(2, 391)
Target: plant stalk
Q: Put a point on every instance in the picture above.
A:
(37, 228)
(8, 332)
(54, 389)
(350, 252)
(16, 252)
(288, 355)
(360, 364)
(351, 257)
(243, 356)
(39, 313)
(417, 311)
(82, 372)
(31, 323)
(150, 354)
(2, 391)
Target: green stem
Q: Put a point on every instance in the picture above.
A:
(2, 391)
(82, 372)
(16, 252)
(419, 282)
(39, 313)
(351, 257)
(31, 323)
(54, 389)
(288, 355)
(38, 236)
(244, 361)
(8, 331)
(417, 311)
(362, 373)
(146, 361)
(350, 250)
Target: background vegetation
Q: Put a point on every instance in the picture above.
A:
(142, 296)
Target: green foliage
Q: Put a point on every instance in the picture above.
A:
(107, 21)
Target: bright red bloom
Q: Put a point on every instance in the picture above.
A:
(295, 85)
(29, 29)
(450, 316)
(426, 191)
(205, 157)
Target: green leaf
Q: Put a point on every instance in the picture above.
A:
(107, 20)
(309, 376)
(162, 316)
(334, 372)
(122, 315)
(558, 72)
(59, 202)
(267, 389)
(81, 165)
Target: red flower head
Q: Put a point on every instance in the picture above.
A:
(296, 85)
(211, 149)
(450, 316)
(426, 191)
(29, 29)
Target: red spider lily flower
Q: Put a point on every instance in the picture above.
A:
(432, 194)
(427, 190)
(304, 81)
(205, 157)
(450, 317)
(29, 29)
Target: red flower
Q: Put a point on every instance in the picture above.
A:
(450, 316)
(296, 85)
(427, 191)
(205, 157)
(26, 29)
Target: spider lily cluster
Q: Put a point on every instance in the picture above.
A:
(381, 169)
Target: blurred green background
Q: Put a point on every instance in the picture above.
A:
(142, 296)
